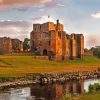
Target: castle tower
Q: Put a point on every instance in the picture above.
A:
(49, 38)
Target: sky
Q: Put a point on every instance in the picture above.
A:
(78, 16)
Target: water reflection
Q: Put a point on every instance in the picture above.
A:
(16, 94)
(88, 82)
(47, 92)
(57, 91)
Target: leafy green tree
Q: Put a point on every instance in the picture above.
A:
(86, 50)
(94, 88)
(91, 88)
(26, 44)
(99, 54)
(96, 52)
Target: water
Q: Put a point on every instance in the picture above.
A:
(88, 82)
(47, 92)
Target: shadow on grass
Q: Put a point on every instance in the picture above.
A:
(5, 62)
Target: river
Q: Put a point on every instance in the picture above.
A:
(47, 92)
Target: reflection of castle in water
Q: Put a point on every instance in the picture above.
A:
(57, 91)
(45, 92)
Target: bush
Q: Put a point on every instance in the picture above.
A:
(94, 88)
(96, 52)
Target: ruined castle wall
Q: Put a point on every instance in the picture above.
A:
(64, 44)
(56, 42)
(73, 46)
(44, 27)
(68, 52)
(5, 45)
(21, 46)
(59, 27)
(36, 38)
(52, 26)
(17, 45)
(45, 45)
(40, 41)
(8, 45)
(53, 41)
(51, 37)
(59, 43)
(80, 45)
(37, 27)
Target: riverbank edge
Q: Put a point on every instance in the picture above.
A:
(47, 78)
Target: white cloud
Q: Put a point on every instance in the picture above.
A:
(60, 5)
(41, 10)
(4, 4)
(96, 15)
(45, 1)
(43, 19)
(15, 29)
(20, 29)
(92, 40)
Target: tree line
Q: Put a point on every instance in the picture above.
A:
(96, 52)
(94, 88)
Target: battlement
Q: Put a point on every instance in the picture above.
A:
(49, 26)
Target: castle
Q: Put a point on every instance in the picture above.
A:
(49, 39)
(8, 45)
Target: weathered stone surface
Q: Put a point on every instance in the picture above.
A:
(50, 39)
(8, 45)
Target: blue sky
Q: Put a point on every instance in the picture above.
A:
(78, 16)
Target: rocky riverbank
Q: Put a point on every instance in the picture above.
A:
(47, 78)
(63, 77)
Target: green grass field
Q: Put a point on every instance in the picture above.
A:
(94, 96)
(25, 63)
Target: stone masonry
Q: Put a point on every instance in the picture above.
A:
(8, 45)
(50, 39)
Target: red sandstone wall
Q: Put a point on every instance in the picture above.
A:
(74, 48)
(5, 45)
(46, 36)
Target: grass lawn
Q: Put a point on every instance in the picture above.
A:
(25, 63)
(94, 96)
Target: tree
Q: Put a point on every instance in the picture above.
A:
(26, 44)
(99, 54)
(91, 88)
(96, 52)
(94, 88)
(85, 50)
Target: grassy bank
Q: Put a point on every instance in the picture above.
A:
(25, 63)
(94, 96)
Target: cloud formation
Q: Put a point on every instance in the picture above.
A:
(4, 4)
(53, 4)
(92, 40)
(14, 2)
(96, 15)
(1, 1)
(43, 19)
(23, 5)
(20, 29)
